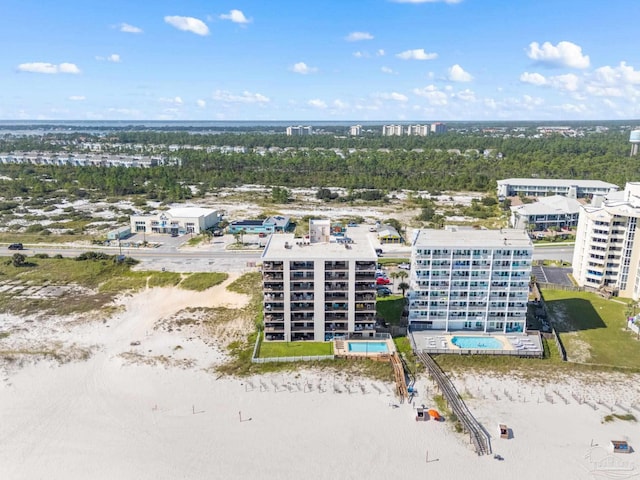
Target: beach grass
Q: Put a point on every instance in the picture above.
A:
(203, 281)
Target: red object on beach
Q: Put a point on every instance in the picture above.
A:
(435, 415)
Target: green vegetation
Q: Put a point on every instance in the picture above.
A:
(627, 417)
(295, 349)
(390, 308)
(392, 261)
(202, 281)
(593, 328)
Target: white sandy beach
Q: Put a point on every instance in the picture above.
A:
(156, 413)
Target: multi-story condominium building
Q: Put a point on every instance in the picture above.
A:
(392, 130)
(418, 130)
(355, 130)
(539, 187)
(606, 255)
(554, 211)
(470, 280)
(438, 128)
(319, 286)
(299, 130)
(86, 160)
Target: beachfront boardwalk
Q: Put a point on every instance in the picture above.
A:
(398, 372)
(479, 436)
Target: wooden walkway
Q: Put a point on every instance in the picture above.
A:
(398, 373)
(479, 437)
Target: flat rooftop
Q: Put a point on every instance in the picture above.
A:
(361, 247)
(557, 182)
(454, 238)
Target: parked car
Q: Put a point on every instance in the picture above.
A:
(405, 266)
(262, 235)
(379, 252)
(382, 281)
(16, 246)
(383, 293)
(384, 290)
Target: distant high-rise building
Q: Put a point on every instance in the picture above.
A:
(418, 130)
(299, 130)
(355, 130)
(438, 128)
(392, 130)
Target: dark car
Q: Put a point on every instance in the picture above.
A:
(383, 291)
(16, 246)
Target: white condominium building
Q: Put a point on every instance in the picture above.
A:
(418, 130)
(299, 130)
(319, 286)
(470, 280)
(606, 254)
(355, 130)
(392, 130)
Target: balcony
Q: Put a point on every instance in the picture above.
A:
(301, 266)
(302, 307)
(336, 296)
(301, 297)
(336, 287)
(273, 276)
(274, 307)
(274, 318)
(364, 296)
(272, 329)
(273, 287)
(366, 307)
(302, 328)
(336, 277)
(333, 266)
(365, 266)
(300, 275)
(302, 286)
(332, 317)
(335, 307)
(272, 266)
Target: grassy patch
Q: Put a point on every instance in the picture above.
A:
(390, 308)
(295, 349)
(202, 281)
(247, 284)
(193, 241)
(593, 328)
(392, 261)
(627, 417)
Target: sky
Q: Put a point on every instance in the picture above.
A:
(369, 60)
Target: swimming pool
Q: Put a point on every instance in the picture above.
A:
(478, 343)
(368, 347)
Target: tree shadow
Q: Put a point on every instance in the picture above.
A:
(573, 315)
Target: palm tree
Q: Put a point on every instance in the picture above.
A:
(404, 286)
(395, 274)
(402, 274)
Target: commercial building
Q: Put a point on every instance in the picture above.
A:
(606, 255)
(355, 130)
(539, 187)
(475, 280)
(554, 211)
(319, 286)
(438, 128)
(299, 130)
(276, 224)
(176, 221)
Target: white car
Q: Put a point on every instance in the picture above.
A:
(405, 266)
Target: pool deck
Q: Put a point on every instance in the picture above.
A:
(341, 349)
(515, 344)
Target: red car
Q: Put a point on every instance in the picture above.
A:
(382, 281)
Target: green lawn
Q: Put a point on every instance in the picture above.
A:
(593, 328)
(392, 261)
(295, 349)
(390, 308)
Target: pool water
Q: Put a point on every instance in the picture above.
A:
(368, 347)
(478, 343)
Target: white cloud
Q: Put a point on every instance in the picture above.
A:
(77, 98)
(358, 36)
(125, 27)
(201, 103)
(417, 54)
(565, 54)
(380, 53)
(236, 16)
(398, 97)
(622, 74)
(245, 97)
(533, 78)
(360, 54)
(114, 57)
(388, 70)
(340, 105)
(466, 95)
(568, 82)
(432, 94)
(303, 69)
(188, 24)
(49, 68)
(317, 103)
(172, 101)
(457, 74)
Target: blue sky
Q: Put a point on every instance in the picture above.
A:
(327, 60)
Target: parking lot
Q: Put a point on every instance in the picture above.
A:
(557, 275)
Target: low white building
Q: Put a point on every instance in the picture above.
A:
(540, 187)
(554, 211)
(176, 221)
